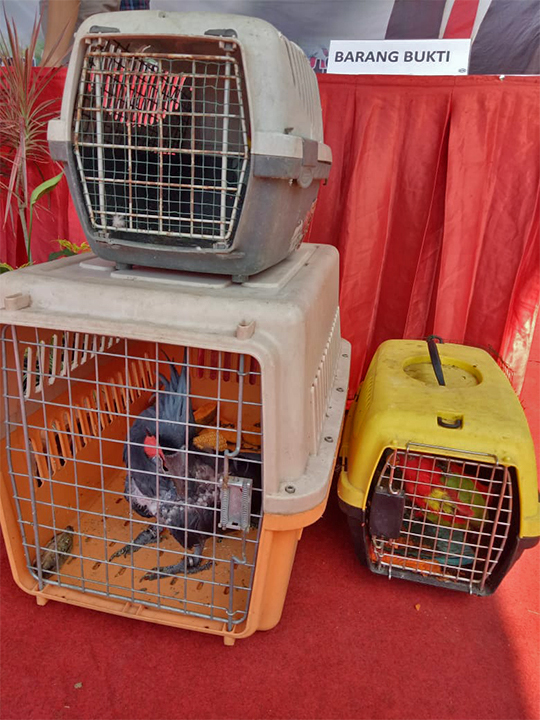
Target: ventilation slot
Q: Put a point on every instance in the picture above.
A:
(320, 389)
(45, 361)
(305, 81)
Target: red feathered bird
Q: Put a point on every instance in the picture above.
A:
(447, 497)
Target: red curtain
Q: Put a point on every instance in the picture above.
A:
(433, 203)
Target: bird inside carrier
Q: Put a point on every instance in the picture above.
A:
(439, 478)
(137, 467)
(166, 438)
(189, 146)
(454, 519)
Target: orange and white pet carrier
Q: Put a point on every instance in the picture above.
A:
(238, 393)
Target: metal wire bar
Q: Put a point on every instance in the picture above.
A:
(99, 146)
(157, 150)
(106, 345)
(102, 479)
(8, 433)
(35, 523)
(75, 465)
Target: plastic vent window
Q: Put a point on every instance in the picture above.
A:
(161, 142)
(71, 399)
(306, 84)
(455, 518)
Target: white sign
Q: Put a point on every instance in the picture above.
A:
(399, 57)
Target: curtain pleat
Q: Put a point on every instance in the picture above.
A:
(431, 203)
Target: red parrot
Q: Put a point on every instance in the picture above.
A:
(450, 499)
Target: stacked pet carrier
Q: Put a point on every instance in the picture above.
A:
(167, 434)
(439, 479)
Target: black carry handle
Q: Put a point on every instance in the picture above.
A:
(435, 358)
(451, 424)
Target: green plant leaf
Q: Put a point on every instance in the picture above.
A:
(44, 188)
(73, 247)
(60, 254)
(4, 267)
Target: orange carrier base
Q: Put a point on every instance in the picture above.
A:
(277, 548)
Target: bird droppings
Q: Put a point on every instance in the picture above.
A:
(56, 552)
(120, 572)
(96, 565)
(145, 589)
(200, 585)
(87, 538)
(118, 221)
(126, 522)
(119, 500)
(227, 590)
(78, 685)
(174, 581)
(113, 542)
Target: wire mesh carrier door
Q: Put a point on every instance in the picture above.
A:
(136, 469)
(439, 517)
(161, 141)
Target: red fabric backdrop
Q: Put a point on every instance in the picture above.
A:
(433, 202)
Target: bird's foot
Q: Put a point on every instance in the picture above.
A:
(147, 536)
(188, 566)
(124, 551)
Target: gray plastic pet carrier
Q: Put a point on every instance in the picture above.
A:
(191, 141)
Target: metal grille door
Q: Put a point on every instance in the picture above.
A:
(168, 517)
(454, 517)
(161, 142)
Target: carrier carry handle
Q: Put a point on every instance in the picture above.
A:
(435, 357)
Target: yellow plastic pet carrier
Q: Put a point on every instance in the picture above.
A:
(439, 480)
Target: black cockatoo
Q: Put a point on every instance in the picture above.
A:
(169, 480)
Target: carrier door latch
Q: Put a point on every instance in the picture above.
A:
(236, 503)
(222, 32)
(102, 29)
(386, 515)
